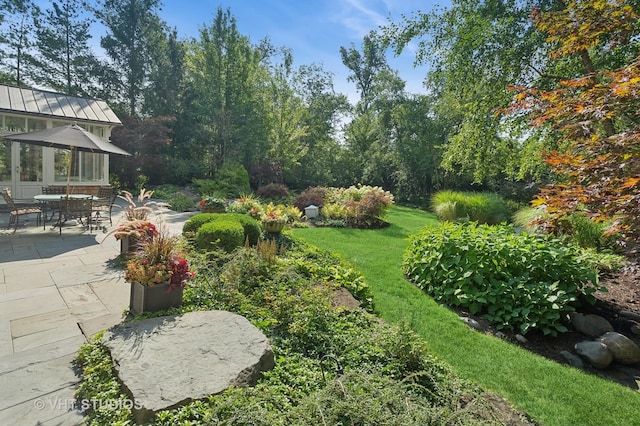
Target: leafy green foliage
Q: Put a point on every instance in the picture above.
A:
(518, 281)
(251, 228)
(181, 202)
(486, 208)
(223, 233)
(345, 363)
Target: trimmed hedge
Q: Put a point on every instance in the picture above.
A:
(223, 234)
(251, 227)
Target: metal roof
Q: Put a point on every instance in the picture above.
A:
(54, 105)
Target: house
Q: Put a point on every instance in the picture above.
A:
(26, 168)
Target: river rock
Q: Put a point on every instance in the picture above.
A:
(624, 350)
(572, 359)
(169, 361)
(591, 325)
(596, 353)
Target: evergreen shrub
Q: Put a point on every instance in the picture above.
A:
(517, 281)
(220, 234)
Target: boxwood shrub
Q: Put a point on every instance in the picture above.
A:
(251, 227)
(517, 281)
(223, 234)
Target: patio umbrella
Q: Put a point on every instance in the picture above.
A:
(72, 137)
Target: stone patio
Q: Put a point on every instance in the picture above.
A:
(55, 292)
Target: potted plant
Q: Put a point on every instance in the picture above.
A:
(131, 232)
(212, 205)
(158, 272)
(273, 218)
(135, 224)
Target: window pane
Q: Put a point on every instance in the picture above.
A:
(5, 161)
(92, 167)
(30, 163)
(35, 124)
(61, 165)
(14, 124)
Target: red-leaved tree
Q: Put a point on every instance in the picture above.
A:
(595, 113)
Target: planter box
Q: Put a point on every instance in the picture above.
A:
(128, 245)
(153, 298)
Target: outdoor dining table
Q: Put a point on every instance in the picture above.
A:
(54, 201)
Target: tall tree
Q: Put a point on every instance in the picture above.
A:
(63, 58)
(593, 111)
(16, 38)
(475, 50)
(364, 67)
(226, 74)
(326, 110)
(166, 76)
(132, 25)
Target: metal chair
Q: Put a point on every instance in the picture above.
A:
(104, 202)
(19, 209)
(75, 208)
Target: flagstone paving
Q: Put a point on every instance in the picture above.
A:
(55, 292)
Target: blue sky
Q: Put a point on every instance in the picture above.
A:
(313, 29)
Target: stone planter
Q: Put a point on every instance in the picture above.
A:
(153, 298)
(273, 227)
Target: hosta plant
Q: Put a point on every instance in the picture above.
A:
(517, 281)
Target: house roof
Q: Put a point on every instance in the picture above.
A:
(54, 105)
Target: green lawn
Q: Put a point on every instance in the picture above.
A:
(551, 393)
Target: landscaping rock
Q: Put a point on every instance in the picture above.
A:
(624, 350)
(635, 329)
(472, 323)
(520, 338)
(596, 353)
(591, 325)
(169, 361)
(630, 315)
(572, 359)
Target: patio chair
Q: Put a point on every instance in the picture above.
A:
(51, 207)
(75, 208)
(104, 202)
(17, 209)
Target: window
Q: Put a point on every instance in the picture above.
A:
(15, 124)
(86, 166)
(5, 161)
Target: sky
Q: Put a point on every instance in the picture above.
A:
(313, 29)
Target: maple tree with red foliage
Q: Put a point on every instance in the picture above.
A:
(595, 113)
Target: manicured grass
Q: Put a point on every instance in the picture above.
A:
(553, 394)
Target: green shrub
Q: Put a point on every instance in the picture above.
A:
(205, 187)
(251, 227)
(486, 208)
(197, 220)
(584, 231)
(165, 191)
(518, 281)
(220, 234)
(180, 202)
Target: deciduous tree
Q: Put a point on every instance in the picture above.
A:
(594, 112)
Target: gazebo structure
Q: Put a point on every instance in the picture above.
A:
(26, 168)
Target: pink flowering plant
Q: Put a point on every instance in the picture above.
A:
(159, 260)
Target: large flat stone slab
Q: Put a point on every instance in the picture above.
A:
(170, 361)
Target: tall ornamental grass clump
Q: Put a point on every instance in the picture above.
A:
(481, 207)
(517, 281)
